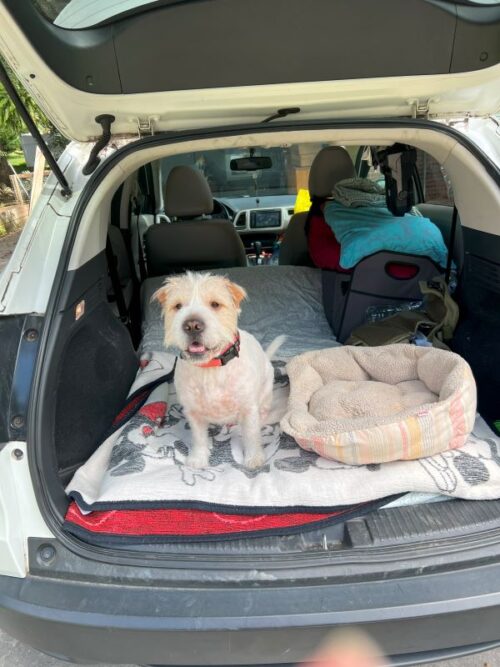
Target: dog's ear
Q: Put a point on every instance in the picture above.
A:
(161, 294)
(237, 292)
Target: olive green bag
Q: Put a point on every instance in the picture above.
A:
(433, 325)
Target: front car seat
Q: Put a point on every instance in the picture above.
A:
(331, 165)
(191, 242)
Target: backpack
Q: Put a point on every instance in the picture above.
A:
(433, 325)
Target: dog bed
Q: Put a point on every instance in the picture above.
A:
(362, 405)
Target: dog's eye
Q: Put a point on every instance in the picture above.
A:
(178, 306)
(215, 305)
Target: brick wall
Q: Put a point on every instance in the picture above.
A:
(435, 183)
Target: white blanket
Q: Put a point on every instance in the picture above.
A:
(142, 464)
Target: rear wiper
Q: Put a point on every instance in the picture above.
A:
(30, 124)
(281, 113)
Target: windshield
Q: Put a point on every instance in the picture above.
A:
(287, 174)
(74, 14)
(285, 182)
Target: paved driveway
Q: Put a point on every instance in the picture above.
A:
(15, 654)
(7, 245)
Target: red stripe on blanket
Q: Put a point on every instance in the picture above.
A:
(187, 522)
(129, 407)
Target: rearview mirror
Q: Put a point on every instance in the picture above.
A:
(253, 163)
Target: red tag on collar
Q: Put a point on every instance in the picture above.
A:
(222, 359)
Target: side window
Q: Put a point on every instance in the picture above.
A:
(436, 185)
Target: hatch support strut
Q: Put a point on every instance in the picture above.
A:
(23, 112)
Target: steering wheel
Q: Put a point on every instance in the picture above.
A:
(220, 211)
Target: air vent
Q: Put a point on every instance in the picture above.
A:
(241, 220)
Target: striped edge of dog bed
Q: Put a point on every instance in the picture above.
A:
(370, 397)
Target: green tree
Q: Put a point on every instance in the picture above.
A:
(9, 141)
(10, 118)
(12, 125)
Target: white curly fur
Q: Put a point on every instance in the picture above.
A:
(239, 392)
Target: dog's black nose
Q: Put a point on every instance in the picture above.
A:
(193, 326)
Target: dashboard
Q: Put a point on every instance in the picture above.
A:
(257, 221)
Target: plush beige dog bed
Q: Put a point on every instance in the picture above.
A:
(364, 405)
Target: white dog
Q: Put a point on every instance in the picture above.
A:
(223, 376)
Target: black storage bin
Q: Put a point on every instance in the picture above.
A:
(347, 296)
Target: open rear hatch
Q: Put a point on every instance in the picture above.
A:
(174, 65)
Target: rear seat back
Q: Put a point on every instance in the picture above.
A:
(191, 241)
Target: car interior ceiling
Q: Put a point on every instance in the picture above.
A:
(146, 240)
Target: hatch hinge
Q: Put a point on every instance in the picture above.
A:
(11, 91)
(145, 126)
(419, 108)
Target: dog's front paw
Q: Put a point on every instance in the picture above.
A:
(255, 460)
(197, 460)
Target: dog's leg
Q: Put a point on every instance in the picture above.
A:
(252, 440)
(200, 448)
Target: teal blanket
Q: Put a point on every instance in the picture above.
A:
(364, 230)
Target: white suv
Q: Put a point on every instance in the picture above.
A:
(135, 84)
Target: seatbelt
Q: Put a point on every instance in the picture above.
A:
(451, 245)
(140, 249)
(115, 282)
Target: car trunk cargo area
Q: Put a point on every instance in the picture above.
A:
(282, 299)
(94, 364)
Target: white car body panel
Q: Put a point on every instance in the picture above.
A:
(20, 517)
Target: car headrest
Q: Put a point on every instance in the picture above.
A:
(187, 193)
(331, 165)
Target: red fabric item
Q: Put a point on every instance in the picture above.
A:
(123, 414)
(187, 522)
(324, 248)
(401, 271)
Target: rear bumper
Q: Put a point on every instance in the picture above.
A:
(415, 618)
